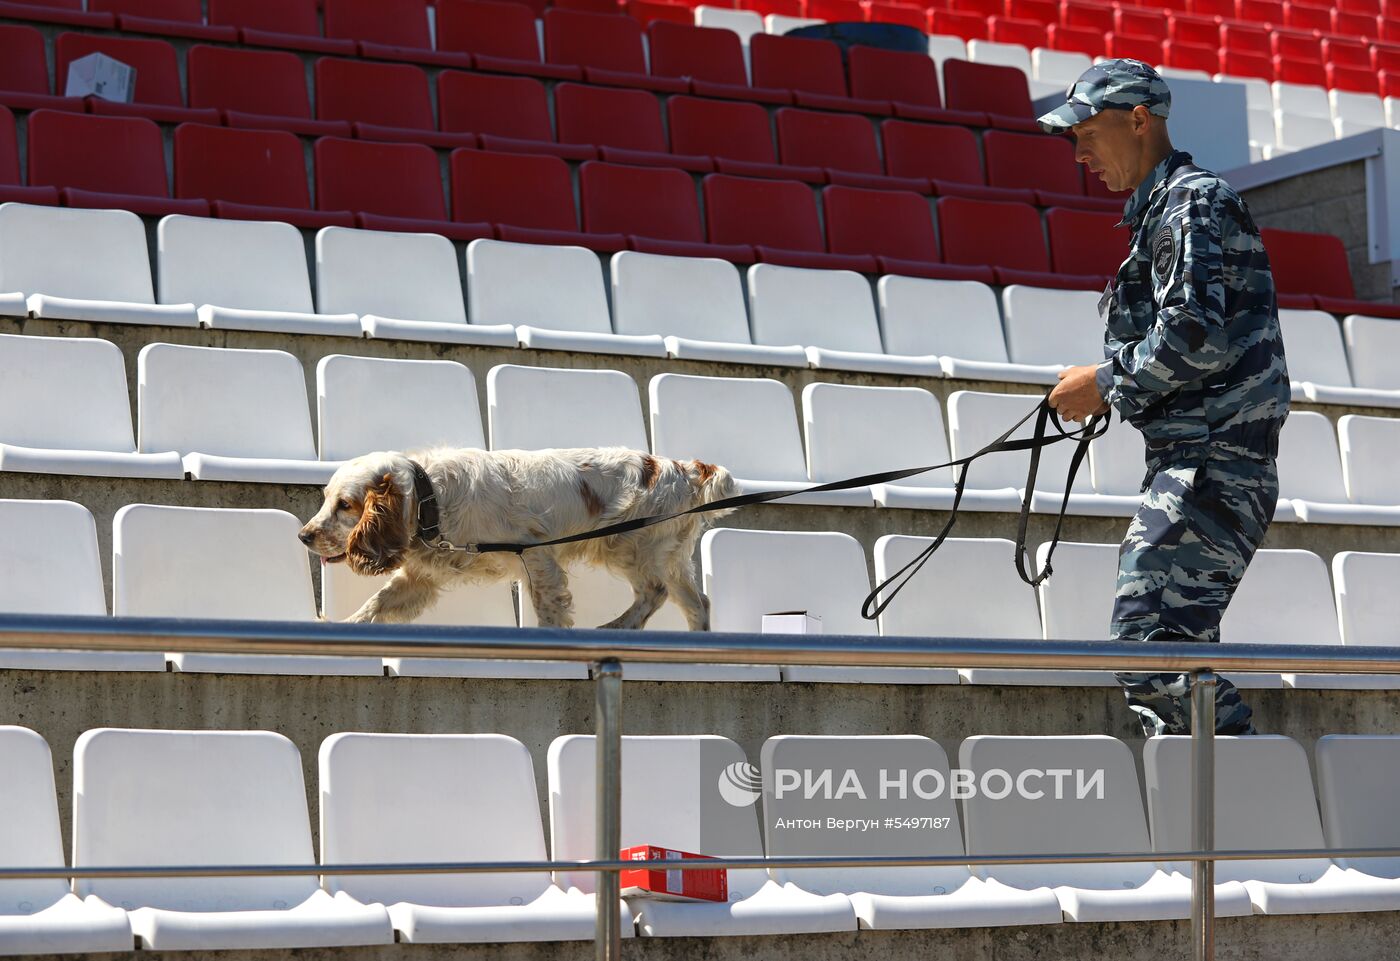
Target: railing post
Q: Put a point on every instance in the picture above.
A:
(1203, 814)
(607, 708)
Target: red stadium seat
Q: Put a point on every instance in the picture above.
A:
(1302, 71)
(1033, 162)
(611, 7)
(969, 26)
(282, 24)
(701, 52)
(812, 69)
(1373, 7)
(501, 36)
(103, 162)
(1028, 33)
(982, 8)
(1262, 12)
(739, 136)
(157, 95)
(947, 156)
(1212, 8)
(834, 11)
(397, 23)
(894, 225)
(174, 18)
(248, 175)
(255, 88)
(1041, 11)
(512, 113)
(1299, 16)
(1355, 25)
(656, 209)
(1345, 53)
(10, 183)
(647, 12)
(778, 217)
(843, 143)
(906, 80)
(390, 186)
(624, 124)
(1085, 40)
(1146, 49)
(1296, 45)
(1187, 56)
(1354, 79)
(1140, 22)
(1385, 57)
(784, 8)
(1082, 242)
(1005, 236)
(1200, 31)
(24, 71)
(390, 94)
(1316, 265)
(606, 46)
(1082, 13)
(1238, 64)
(1001, 92)
(907, 14)
(529, 198)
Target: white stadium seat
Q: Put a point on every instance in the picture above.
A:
(49, 564)
(402, 286)
(367, 404)
(1368, 606)
(43, 917)
(207, 797)
(776, 23)
(1356, 787)
(695, 417)
(1062, 67)
(220, 562)
(968, 588)
(1000, 54)
(1372, 343)
(1303, 100)
(1118, 460)
(76, 264)
(1283, 598)
(666, 783)
(1317, 362)
(1046, 327)
(1264, 800)
(1106, 820)
(1298, 131)
(752, 573)
(1310, 474)
(234, 415)
(745, 23)
(553, 296)
(959, 321)
(831, 313)
(1358, 111)
(444, 797)
(942, 48)
(243, 275)
(695, 303)
(948, 896)
(862, 430)
(65, 409)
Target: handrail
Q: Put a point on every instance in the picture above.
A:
(607, 649)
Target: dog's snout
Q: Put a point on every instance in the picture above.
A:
(306, 536)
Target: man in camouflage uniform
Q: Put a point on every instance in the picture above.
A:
(1195, 362)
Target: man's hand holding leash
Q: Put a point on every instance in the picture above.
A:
(1076, 397)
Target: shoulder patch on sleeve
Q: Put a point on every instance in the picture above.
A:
(1164, 252)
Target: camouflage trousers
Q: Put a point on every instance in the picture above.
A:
(1184, 554)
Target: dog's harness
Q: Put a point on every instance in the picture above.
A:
(430, 533)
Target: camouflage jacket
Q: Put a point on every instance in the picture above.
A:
(1195, 356)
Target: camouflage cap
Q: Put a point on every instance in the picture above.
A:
(1112, 84)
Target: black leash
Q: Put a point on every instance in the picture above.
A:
(1043, 413)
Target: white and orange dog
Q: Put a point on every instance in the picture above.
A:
(382, 510)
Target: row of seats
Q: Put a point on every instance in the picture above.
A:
(238, 797)
(91, 265)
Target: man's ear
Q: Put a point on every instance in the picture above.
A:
(377, 544)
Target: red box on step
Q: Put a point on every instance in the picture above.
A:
(696, 884)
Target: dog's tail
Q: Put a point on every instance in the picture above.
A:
(712, 483)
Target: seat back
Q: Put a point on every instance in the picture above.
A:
(814, 308)
(1370, 342)
(968, 588)
(842, 141)
(1355, 785)
(721, 128)
(84, 254)
(985, 86)
(700, 52)
(1085, 242)
(534, 408)
(496, 104)
(935, 151)
(298, 17)
(1316, 355)
(773, 213)
(430, 797)
(1002, 234)
(1305, 263)
(891, 223)
(243, 166)
(694, 417)
(65, 147)
(1309, 467)
(402, 276)
(860, 430)
(367, 404)
(392, 94)
(154, 60)
(752, 573)
(669, 799)
(65, 393)
(976, 419)
(518, 190)
(603, 41)
(796, 63)
(398, 23)
(1369, 446)
(209, 562)
(560, 288)
(29, 832)
(897, 75)
(1263, 800)
(1368, 606)
(1283, 598)
(268, 82)
(699, 298)
(243, 264)
(1052, 326)
(216, 400)
(1076, 602)
(953, 318)
(190, 797)
(390, 179)
(488, 28)
(1031, 160)
(608, 116)
(49, 565)
(655, 202)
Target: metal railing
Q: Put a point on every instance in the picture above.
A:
(607, 650)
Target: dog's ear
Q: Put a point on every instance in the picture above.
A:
(378, 542)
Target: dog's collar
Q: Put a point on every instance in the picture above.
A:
(428, 527)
